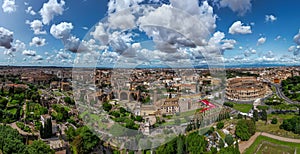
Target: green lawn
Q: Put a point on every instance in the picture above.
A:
(243, 107)
(264, 144)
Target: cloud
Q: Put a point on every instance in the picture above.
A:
(122, 20)
(261, 40)
(19, 46)
(253, 51)
(9, 6)
(297, 38)
(278, 37)
(228, 44)
(194, 28)
(292, 48)
(238, 28)
(36, 26)
(62, 30)
(270, 54)
(63, 55)
(51, 9)
(6, 38)
(38, 42)
(249, 52)
(38, 58)
(29, 10)
(270, 18)
(72, 44)
(100, 34)
(119, 5)
(239, 6)
(29, 52)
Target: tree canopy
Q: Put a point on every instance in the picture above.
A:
(245, 129)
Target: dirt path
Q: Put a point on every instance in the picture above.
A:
(246, 144)
(280, 138)
(14, 126)
(243, 145)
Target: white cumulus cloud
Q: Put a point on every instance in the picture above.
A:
(29, 52)
(62, 30)
(9, 6)
(194, 28)
(29, 10)
(36, 26)
(51, 9)
(239, 28)
(122, 20)
(261, 40)
(38, 42)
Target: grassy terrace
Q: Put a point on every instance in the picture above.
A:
(264, 144)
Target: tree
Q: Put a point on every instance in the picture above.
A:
(196, 143)
(221, 143)
(264, 115)
(10, 140)
(78, 145)
(89, 139)
(106, 106)
(220, 125)
(70, 133)
(39, 147)
(46, 130)
(292, 124)
(255, 115)
(180, 144)
(229, 139)
(245, 129)
(240, 116)
(70, 101)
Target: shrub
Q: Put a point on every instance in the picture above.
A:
(229, 104)
(220, 125)
(274, 121)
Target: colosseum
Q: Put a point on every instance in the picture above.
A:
(245, 89)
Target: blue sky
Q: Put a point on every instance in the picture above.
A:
(65, 32)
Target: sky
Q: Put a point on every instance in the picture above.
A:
(130, 33)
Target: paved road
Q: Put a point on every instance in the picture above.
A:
(246, 144)
(280, 93)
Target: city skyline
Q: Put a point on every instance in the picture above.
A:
(236, 32)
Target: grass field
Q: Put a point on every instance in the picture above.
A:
(264, 145)
(242, 107)
(267, 147)
(261, 126)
